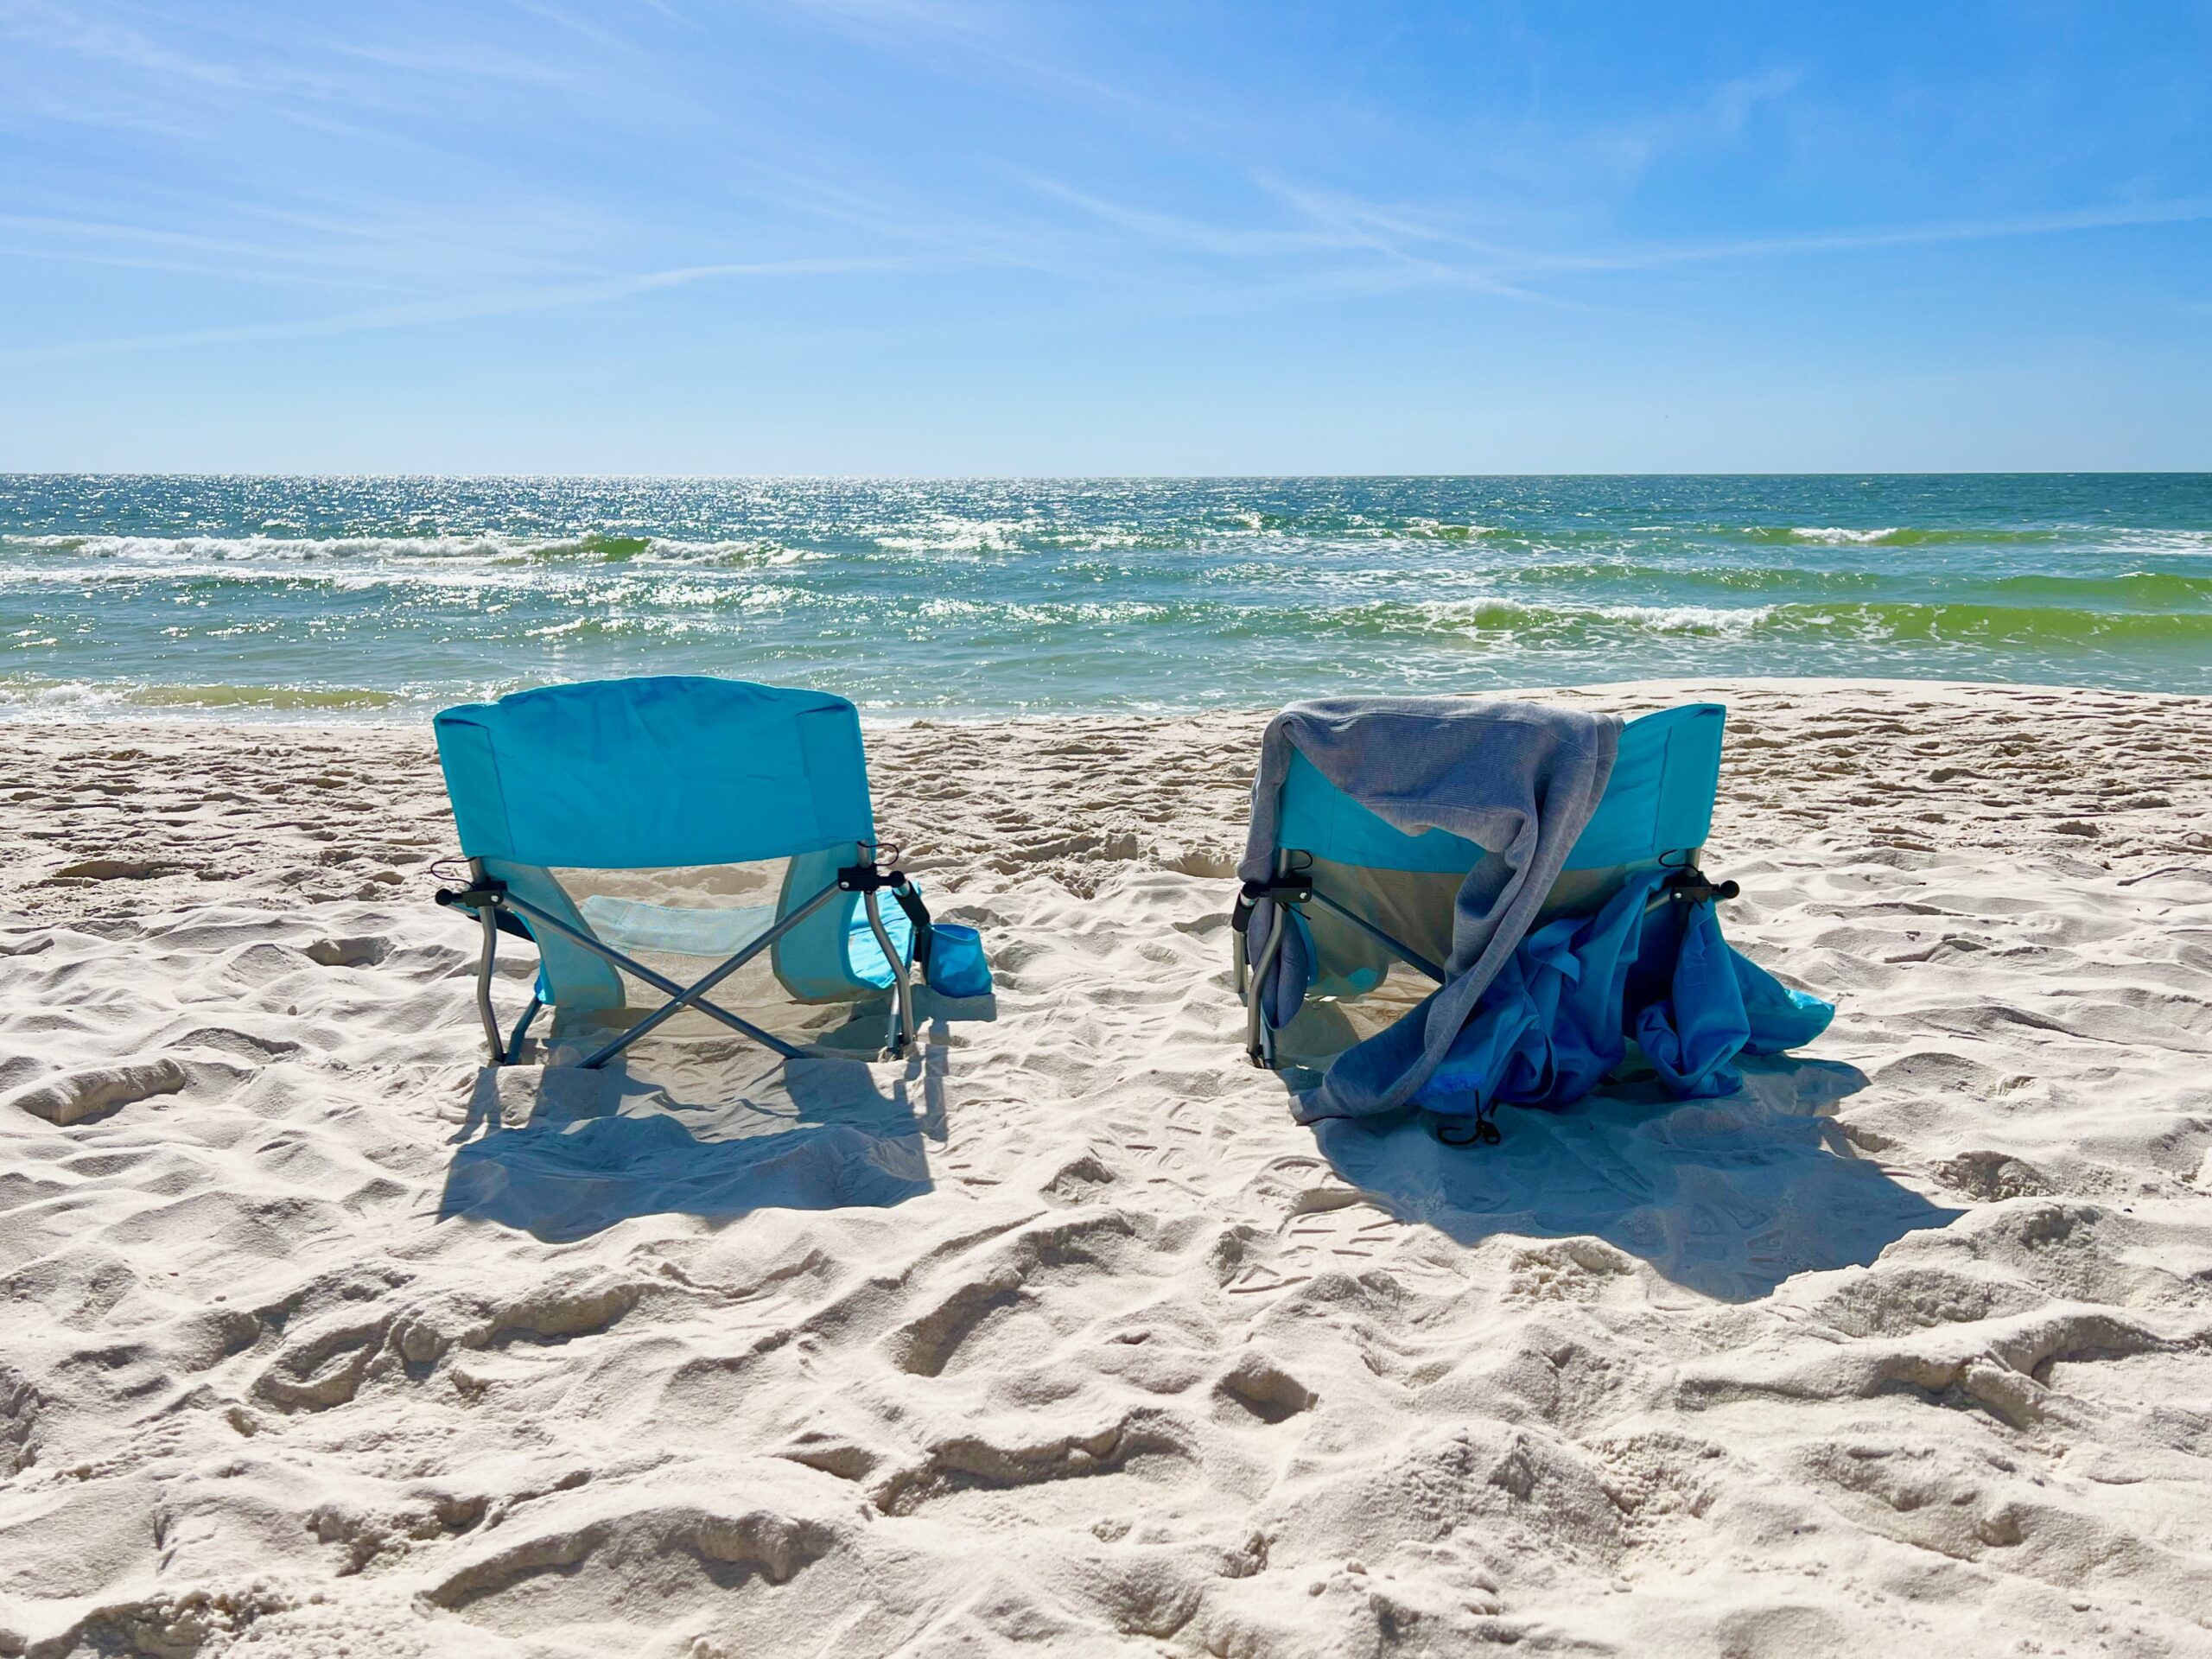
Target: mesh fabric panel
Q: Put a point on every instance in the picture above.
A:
(677, 921)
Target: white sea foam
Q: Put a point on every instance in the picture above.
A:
(2187, 542)
(27, 697)
(588, 550)
(1689, 618)
(1493, 615)
(951, 534)
(1832, 536)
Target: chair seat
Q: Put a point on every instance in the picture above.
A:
(716, 933)
(633, 924)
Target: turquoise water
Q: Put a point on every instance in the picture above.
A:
(387, 597)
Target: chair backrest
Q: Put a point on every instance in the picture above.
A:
(661, 775)
(1658, 801)
(653, 772)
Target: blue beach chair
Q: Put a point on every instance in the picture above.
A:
(1358, 899)
(706, 842)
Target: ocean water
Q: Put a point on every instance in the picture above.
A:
(386, 597)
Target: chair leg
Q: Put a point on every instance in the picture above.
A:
(1259, 1040)
(902, 1008)
(489, 920)
(522, 1030)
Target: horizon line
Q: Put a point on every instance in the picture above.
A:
(12, 475)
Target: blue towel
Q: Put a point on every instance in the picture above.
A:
(1560, 1013)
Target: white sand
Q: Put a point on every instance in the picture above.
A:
(1066, 1337)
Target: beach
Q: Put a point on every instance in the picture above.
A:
(316, 1338)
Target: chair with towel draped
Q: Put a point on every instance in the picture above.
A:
(1353, 900)
(679, 845)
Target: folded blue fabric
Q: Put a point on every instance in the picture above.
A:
(1558, 1015)
(1780, 1018)
(1691, 1031)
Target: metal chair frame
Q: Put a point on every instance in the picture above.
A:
(496, 910)
(1293, 888)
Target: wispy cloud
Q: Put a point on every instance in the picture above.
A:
(2118, 216)
(1415, 245)
(294, 67)
(71, 30)
(95, 239)
(1337, 251)
(1200, 236)
(462, 308)
(221, 273)
(567, 18)
(1395, 225)
(984, 40)
(1718, 118)
(474, 63)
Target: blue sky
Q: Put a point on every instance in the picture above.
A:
(963, 237)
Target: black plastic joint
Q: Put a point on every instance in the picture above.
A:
(1286, 889)
(475, 897)
(1690, 887)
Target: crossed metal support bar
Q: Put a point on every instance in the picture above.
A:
(1411, 955)
(488, 901)
(680, 997)
(1291, 890)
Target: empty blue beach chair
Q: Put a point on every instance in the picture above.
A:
(697, 844)
(1341, 901)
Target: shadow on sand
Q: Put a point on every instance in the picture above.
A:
(716, 1130)
(1727, 1197)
